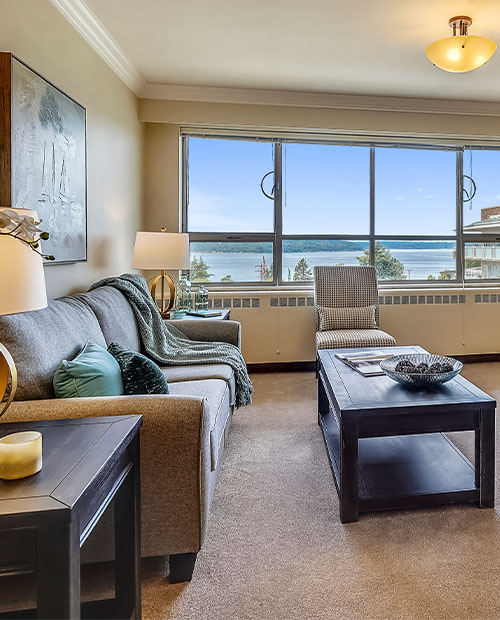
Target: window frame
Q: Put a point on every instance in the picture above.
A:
(277, 237)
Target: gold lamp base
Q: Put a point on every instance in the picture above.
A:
(8, 379)
(163, 306)
(20, 453)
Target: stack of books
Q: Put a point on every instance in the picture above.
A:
(204, 313)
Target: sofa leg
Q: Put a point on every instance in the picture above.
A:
(181, 566)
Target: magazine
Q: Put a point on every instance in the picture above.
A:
(367, 364)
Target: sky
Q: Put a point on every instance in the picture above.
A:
(326, 188)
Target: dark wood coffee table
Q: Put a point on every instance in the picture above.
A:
(386, 442)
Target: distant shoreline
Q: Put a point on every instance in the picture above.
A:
(310, 246)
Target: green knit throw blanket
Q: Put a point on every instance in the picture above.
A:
(167, 345)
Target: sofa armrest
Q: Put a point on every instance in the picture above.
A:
(210, 330)
(175, 461)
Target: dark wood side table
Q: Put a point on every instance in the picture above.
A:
(46, 518)
(223, 316)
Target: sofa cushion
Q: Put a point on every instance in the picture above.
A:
(39, 341)
(115, 316)
(216, 395)
(196, 372)
(349, 338)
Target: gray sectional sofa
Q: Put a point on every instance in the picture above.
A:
(183, 434)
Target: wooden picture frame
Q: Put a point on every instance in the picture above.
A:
(43, 157)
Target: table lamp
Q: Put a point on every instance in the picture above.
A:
(22, 288)
(162, 250)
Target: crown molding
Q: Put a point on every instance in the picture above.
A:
(212, 94)
(81, 18)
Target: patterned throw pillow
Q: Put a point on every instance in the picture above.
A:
(140, 375)
(346, 318)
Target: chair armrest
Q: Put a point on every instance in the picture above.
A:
(175, 460)
(210, 330)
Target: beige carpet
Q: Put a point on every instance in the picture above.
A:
(277, 550)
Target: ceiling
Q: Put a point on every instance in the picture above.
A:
(356, 46)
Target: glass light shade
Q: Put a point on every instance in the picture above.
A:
(461, 53)
(22, 280)
(161, 250)
(20, 455)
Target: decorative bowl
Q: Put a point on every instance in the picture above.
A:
(421, 368)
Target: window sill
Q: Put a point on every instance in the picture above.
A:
(383, 288)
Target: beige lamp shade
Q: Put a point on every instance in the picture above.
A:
(161, 250)
(22, 280)
(22, 288)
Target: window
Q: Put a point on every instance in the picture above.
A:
(300, 256)
(482, 260)
(223, 182)
(415, 191)
(481, 214)
(415, 260)
(326, 189)
(220, 261)
(262, 211)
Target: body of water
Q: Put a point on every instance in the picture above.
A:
(244, 267)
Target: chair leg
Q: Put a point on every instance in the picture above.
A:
(181, 566)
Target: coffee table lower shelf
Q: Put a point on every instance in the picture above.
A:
(404, 471)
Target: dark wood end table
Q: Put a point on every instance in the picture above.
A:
(387, 445)
(46, 518)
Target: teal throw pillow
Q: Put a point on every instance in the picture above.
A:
(140, 375)
(93, 372)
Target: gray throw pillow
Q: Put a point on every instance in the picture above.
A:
(140, 375)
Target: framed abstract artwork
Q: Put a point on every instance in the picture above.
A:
(43, 165)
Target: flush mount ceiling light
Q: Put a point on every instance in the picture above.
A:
(461, 52)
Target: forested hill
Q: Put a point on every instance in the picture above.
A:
(309, 245)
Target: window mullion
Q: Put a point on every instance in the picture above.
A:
(278, 213)
(372, 205)
(459, 248)
(185, 184)
(208, 236)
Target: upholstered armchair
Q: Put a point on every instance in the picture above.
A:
(346, 308)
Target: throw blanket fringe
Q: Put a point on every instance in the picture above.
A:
(167, 345)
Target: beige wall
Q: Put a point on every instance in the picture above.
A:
(40, 36)
(161, 177)
(286, 333)
(130, 163)
(252, 116)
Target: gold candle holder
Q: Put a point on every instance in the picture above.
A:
(20, 455)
